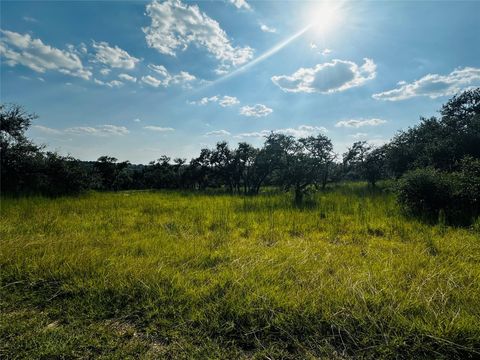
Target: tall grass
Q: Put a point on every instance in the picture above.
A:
(186, 275)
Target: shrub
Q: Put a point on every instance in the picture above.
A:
(62, 175)
(424, 191)
(467, 191)
(430, 192)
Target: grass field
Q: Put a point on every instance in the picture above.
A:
(173, 275)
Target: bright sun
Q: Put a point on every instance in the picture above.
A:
(323, 17)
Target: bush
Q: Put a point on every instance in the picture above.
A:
(467, 192)
(429, 192)
(61, 175)
(424, 191)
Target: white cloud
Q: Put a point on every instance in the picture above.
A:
(82, 48)
(167, 79)
(298, 132)
(47, 130)
(30, 19)
(228, 101)
(182, 77)
(337, 75)
(224, 101)
(359, 123)
(158, 128)
(359, 135)
(152, 81)
(241, 4)
(204, 100)
(323, 52)
(222, 69)
(127, 77)
(111, 84)
(175, 26)
(434, 85)
(137, 120)
(218, 133)
(303, 130)
(255, 134)
(105, 72)
(113, 56)
(114, 130)
(102, 130)
(326, 51)
(159, 69)
(266, 28)
(115, 83)
(21, 49)
(257, 110)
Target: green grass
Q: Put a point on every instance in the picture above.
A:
(174, 275)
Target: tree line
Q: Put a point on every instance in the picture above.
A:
(443, 149)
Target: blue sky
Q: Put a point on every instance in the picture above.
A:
(137, 80)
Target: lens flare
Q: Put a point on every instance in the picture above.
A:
(325, 16)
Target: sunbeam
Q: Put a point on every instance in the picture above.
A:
(262, 57)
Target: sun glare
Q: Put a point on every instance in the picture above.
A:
(324, 16)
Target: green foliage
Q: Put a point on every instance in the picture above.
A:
(425, 191)
(299, 164)
(439, 161)
(26, 169)
(18, 154)
(439, 143)
(429, 191)
(446, 148)
(363, 161)
(181, 275)
(60, 175)
(467, 191)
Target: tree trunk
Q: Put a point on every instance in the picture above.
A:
(325, 178)
(298, 195)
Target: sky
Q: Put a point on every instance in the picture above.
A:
(140, 79)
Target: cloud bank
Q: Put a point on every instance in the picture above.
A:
(175, 26)
(18, 49)
(101, 130)
(434, 85)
